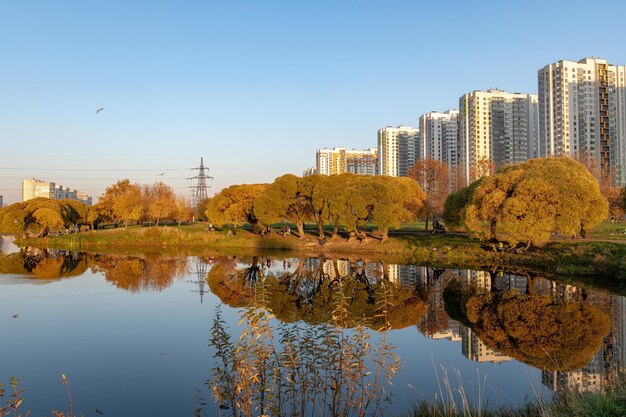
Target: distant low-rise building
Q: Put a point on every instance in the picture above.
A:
(34, 188)
(309, 171)
(1, 202)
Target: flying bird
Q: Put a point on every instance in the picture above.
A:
(99, 110)
(160, 175)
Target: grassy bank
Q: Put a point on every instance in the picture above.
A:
(601, 260)
(608, 403)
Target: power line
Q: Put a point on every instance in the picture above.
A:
(98, 170)
(4, 177)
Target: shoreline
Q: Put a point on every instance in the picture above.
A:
(596, 260)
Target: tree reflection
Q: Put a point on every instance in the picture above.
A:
(308, 292)
(44, 263)
(135, 274)
(545, 332)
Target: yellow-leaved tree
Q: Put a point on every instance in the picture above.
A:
(235, 205)
(528, 202)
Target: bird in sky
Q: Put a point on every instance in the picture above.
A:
(160, 175)
(99, 110)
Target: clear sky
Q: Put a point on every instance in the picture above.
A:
(255, 87)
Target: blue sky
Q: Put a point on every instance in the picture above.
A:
(255, 87)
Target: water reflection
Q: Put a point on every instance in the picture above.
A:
(131, 273)
(575, 335)
(305, 289)
(43, 263)
(135, 274)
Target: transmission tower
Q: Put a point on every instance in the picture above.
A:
(199, 192)
(201, 272)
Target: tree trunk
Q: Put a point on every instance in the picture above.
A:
(336, 228)
(255, 227)
(493, 230)
(300, 226)
(385, 234)
(320, 228)
(530, 285)
(426, 226)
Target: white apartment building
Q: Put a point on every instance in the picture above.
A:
(34, 188)
(582, 108)
(398, 150)
(496, 128)
(439, 136)
(439, 139)
(339, 160)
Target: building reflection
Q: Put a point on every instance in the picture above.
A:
(603, 368)
(606, 366)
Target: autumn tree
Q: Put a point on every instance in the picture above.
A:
(184, 211)
(39, 216)
(12, 218)
(47, 219)
(200, 209)
(528, 202)
(455, 204)
(160, 201)
(123, 201)
(337, 190)
(320, 190)
(285, 198)
(235, 205)
(395, 200)
(434, 178)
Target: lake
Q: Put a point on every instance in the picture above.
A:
(135, 335)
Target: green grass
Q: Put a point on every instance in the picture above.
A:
(608, 403)
(609, 231)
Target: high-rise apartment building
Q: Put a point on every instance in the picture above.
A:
(339, 160)
(582, 109)
(398, 150)
(440, 140)
(439, 136)
(34, 188)
(496, 128)
(330, 161)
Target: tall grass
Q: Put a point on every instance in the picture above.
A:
(452, 401)
(299, 370)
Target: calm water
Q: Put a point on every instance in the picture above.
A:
(132, 333)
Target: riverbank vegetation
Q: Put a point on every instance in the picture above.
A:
(608, 402)
(566, 257)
